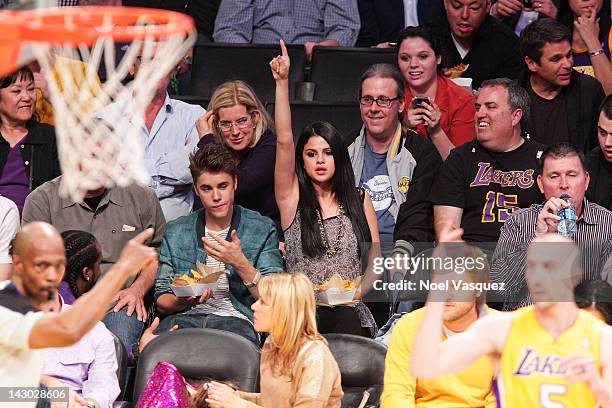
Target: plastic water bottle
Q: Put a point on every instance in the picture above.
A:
(567, 223)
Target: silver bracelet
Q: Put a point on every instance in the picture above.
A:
(596, 52)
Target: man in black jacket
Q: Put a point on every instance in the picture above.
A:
(475, 44)
(599, 160)
(564, 103)
(382, 21)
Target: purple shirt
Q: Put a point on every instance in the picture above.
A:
(88, 367)
(14, 183)
(66, 293)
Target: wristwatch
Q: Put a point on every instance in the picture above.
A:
(255, 281)
(90, 404)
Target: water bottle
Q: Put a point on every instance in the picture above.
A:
(567, 223)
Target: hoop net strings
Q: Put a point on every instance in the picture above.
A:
(95, 151)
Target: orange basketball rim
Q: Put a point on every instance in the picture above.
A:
(82, 25)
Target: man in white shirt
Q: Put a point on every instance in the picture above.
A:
(9, 226)
(39, 261)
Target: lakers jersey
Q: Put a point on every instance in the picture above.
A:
(529, 374)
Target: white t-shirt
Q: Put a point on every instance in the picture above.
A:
(20, 366)
(9, 226)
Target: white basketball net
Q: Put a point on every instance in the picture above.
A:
(109, 152)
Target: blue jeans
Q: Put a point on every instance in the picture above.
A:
(210, 321)
(127, 328)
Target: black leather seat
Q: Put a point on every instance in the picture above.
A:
(362, 366)
(194, 100)
(122, 364)
(344, 116)
(215, 63)
(202, 354)
(337, 70)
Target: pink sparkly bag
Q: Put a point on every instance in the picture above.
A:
(166, 388)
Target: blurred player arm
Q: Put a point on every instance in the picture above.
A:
(432, 358)
(445, 215)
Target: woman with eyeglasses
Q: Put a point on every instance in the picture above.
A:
(237, 118)
(328, 223)
(436, 107)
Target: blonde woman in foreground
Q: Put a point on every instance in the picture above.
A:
(297, 368)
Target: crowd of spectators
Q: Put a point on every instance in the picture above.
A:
(231, 188)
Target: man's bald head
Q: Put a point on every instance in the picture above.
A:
(552, 268)
(39, 262)
(36, 235)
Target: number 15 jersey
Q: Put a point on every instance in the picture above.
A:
(529, 374)
(488, 186)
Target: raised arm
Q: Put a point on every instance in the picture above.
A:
(66, 328)
(431, 357)
(285, 179)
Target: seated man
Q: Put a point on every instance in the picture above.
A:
(564, 102)
(563, 171)
(114, 216)
(599, 160)
(88, 367)
(483, 181)
(470, 387)
(39, 260)
(476, 45)
(222, 236)
(325, 22)
(396, 166)
(383, 21)
(9, 226)
(168, 135)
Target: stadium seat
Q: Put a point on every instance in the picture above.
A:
(194, 100)
(337, 70)
(202, 354)
(215, 63)
(362, 367)
(122, 364)
(344, 116)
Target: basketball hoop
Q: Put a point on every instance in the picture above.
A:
(71, 44)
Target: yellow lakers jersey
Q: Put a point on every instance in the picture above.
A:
(529, 374)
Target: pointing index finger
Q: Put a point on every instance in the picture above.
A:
(283, 49)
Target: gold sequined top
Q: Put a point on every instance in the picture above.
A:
(315, 382)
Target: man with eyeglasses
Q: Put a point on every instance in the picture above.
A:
(168, 134)
(395, 165)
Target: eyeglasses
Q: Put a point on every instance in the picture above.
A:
(381, 101)
(241, 123)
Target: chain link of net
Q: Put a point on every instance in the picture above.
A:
(95, 151)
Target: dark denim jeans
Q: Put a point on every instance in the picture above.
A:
(127, 328)
(210, 321)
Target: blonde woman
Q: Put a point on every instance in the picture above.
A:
(237, 118)
(297, 368)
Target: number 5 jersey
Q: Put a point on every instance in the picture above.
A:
(529, 373)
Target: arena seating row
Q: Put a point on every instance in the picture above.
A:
(202, 354)
(334, 70)
(344, 116)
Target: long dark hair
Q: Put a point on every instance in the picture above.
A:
(597, 294)
(566, 17)
(343, 186)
